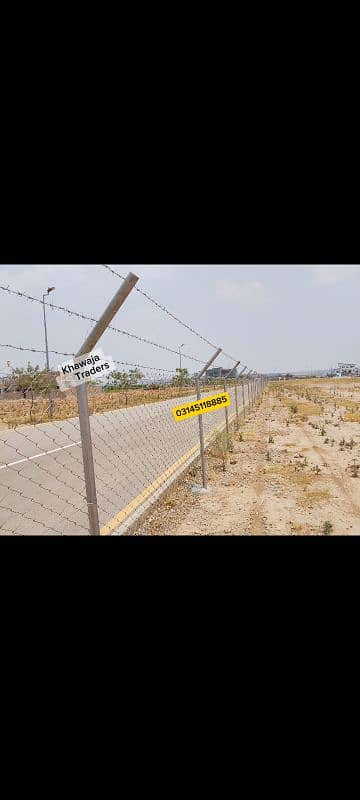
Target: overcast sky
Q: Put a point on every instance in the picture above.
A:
(271, 318)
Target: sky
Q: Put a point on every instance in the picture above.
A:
(271, 318)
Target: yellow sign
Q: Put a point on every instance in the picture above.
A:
(203, 406)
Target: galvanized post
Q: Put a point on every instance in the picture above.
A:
(236, 406)
(227, 419)
(201, 426)
(236, 402)
(236, 398)
(249, 391)
(89, 472)
(82, 399)
(201, 437)
(243, 395)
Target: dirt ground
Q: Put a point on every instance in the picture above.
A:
(294, 470)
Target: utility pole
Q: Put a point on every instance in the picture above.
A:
(82, 398)
(51, 402)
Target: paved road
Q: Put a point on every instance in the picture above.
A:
(42, 486)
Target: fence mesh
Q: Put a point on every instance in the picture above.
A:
(137, 446)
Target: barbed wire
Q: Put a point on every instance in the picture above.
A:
(80, 315)
(59, 353)
(142, 339)
(34, 350)
(164, 309)
(135, 444)
(170, 314)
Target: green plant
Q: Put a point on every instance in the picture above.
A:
(230, 443)
(327, 528)
(271, 440)
(181, 377)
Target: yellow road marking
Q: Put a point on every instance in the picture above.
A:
(134, 504)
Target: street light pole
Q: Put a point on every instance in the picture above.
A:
(51, 402)
(182, 345)
(180, 373)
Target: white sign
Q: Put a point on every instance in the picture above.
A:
(83, 369)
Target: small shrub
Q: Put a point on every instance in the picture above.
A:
(327, 528)
(323, 432)
(271, 440)
(293, 408)
(327, 441)
(316, 469)
(268, 456)
(354, 470)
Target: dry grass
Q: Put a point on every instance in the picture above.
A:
(313, 497)
(296, 527)
(352, 417)
(351, 405)
(17, 412)
(304, 409)
(249, 435)
(292, 475)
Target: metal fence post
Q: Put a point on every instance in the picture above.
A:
(236, 403)
(236, 406)
(89, 472)
(201, 427)
(82, 399)
(201, 438)
(227, 418)
(236, 398)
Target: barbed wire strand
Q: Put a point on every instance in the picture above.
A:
(163, 308)
(170, 314)
(79, 315)
(34, 350)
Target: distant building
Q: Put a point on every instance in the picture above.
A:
(344, 370)
(220, 372)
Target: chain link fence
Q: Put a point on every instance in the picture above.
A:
(137, 448)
